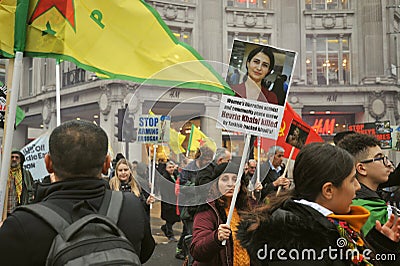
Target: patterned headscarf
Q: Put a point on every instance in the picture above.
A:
(16, 173)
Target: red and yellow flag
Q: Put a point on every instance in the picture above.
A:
(119, 39)
(288, 116)
(198, 139)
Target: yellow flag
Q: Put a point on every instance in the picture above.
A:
(13, 14)
(175, 141)
(119, 39)
(198, 139)
(7, 24)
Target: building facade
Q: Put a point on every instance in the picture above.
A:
(347, 70)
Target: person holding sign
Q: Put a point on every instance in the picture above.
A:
(210, 228)
(317, 216)
(272, 171)
(259, 64)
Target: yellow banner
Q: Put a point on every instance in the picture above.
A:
(7, 24)
(119, 39)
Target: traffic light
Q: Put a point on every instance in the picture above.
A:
(120, 116)
(129, 130)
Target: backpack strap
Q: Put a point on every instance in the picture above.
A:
(50, 216)
(112, 204)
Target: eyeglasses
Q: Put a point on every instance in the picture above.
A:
(384, 159)
(253, 167)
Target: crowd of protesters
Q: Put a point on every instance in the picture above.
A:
(333, 192)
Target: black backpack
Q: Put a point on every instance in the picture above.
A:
(94, 239)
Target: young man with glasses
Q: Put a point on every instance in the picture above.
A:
(373, 168)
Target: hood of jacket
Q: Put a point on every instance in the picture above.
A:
(292, 226)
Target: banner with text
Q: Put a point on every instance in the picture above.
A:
(260, 75)
(34, 154)
(380, 129)
(251, 117)
(153, 129)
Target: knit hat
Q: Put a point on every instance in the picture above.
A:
(230, 167)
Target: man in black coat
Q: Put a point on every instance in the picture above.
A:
(78, 156)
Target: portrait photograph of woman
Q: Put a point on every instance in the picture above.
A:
(260, 72)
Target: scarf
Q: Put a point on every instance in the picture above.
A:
(240, 255)
(16, 174)
(349, 227)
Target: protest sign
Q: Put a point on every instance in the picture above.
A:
(260, 76)
(380, 129)
(34, 154)
(153, 129)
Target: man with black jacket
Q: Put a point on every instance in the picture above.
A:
(77, 157)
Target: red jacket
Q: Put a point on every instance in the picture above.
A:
(206, 249)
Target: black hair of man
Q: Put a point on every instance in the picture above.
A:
(357, 144)
(340, 135)
(78, 149)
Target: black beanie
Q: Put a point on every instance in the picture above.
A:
(230, 167)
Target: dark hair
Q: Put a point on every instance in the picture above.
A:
(21, 156)
(316, 164)
(78, 149)
(357, 144)
(268, 52)
(340, 135)
(242, 202)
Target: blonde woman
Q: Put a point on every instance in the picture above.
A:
(125, 181)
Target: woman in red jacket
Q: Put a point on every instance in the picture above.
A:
(210, 228)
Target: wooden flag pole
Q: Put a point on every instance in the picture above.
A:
(286, 168)
(238, 180)
(11, 110)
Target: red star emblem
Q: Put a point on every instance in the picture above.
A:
(201, 141)
(65, 7)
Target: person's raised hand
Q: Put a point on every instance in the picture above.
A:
(391, 228)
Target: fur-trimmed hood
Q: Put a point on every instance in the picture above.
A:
(293, 226)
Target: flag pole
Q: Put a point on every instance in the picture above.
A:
(153, 173)
(238, 180)
(190, 141)
(286, 168)
(10, 112)
(258, 158)
(58, 97)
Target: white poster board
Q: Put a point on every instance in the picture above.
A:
(34, 154)
(153, 129)
(260, 76)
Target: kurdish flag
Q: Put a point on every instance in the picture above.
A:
(198, 139)
(119, 39)
(13, 15)
(175, 141)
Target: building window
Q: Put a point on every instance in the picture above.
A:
(327, 4)
(30, 76)
(183, 35)
(328, 60)
(256, 38)
(250, 3)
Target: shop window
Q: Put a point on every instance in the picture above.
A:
(328, 57)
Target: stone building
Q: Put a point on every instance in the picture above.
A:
(347, 71)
